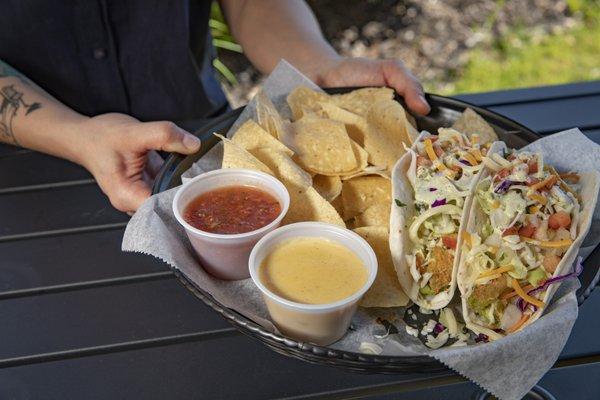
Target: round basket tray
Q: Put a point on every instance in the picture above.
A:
(444, 111)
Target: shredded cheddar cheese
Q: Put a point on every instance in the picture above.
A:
(477, 154)
(536, 302)
(470, 159)
(537, 197)
(551, 180)
(475, 139)
(551, 244)
(512, 294)
(495, 204)
(436, 161)
(497, 271)
(429, 150)
(467, 238)
(519, 323)
(534, 209)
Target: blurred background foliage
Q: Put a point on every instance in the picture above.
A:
(453, 46)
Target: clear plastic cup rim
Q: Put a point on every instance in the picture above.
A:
(268, 180)
(358, 243)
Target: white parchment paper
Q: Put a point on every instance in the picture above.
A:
(507, 368)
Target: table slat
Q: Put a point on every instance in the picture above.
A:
(70, 259)
(232, 368)
(37, 169)
(532, 94)
(593, 134)
(101, 316)
(59, 208)
(556, 115)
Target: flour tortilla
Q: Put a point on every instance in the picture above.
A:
(400, 219)
(590, 184)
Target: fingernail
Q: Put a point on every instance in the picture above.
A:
(191, 142)
(422, 97)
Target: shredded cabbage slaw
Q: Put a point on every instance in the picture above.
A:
(512, 258)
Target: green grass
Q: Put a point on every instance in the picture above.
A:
(519, 61)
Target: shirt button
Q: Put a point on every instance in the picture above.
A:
(99, 53)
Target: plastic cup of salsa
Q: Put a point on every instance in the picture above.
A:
(321, 324)
(225, 255)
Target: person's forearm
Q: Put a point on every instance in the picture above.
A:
(31, 118)
(269, 30)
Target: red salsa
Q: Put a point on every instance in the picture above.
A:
(232, 209)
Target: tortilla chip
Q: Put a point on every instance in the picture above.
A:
(284, 169)
(356, 126)
(471, 123)
(235, 156)
(370, 170)
(323, 146)
(411, 120)
(386, 290)
(267, 115)
(310, 206)
(337, 204)
(304, 100)
(360, 193)
(413, 134)
(358, 101)
(251, 136)
(377, 214)
(329, 187)
(387, 134)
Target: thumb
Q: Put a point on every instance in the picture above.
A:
(407, 86)
(167, 136)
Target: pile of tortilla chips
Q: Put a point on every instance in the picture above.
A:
(335, 158)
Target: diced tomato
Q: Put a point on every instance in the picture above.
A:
(527, 230)
(449, 241)
(503, 173)
(532, 166)
(510, 231)
(511, 157)
(550, 262)
(456, 168)
(560, 219)
(423, 161)
(438, 151)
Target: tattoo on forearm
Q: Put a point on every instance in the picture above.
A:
(6, 71)
(11, 102)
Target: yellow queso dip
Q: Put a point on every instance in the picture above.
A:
(312, 270)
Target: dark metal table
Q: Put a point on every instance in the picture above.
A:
(79, 319)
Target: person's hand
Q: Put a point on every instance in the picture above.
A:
(119, 151)
(365, 72)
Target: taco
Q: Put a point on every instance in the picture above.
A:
(525, 228)
(432, 188)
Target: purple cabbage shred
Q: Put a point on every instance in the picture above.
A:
(432, 189)
(438, 328)
(438, 203)
(577, 270)
(503, 186)
(465, 162)
(481, 338)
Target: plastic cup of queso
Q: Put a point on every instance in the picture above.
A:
(321, 324)
(225, 256)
